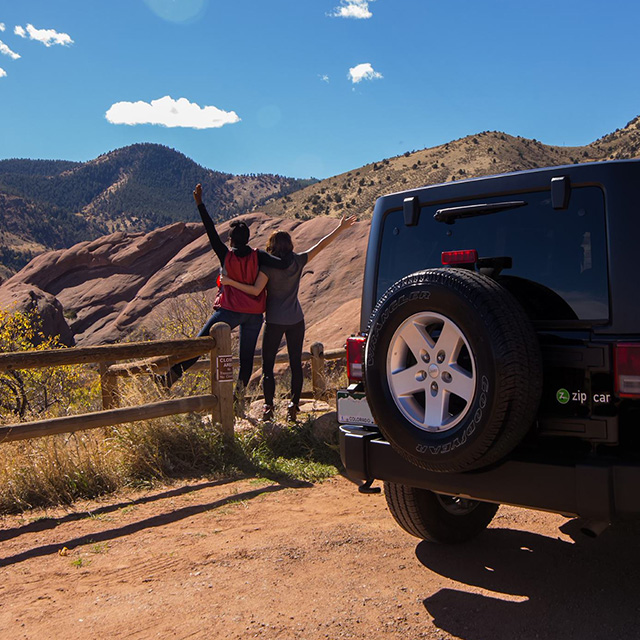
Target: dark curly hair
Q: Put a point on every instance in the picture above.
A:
(239, 234)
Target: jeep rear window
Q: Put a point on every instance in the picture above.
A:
(559, 257)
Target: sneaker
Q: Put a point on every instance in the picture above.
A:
(292, 412)
(267, 413)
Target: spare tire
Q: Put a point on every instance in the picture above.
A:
(453, 370)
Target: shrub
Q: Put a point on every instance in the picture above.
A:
(47, 392)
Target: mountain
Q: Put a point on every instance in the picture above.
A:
(48, 204)
(147, 284)
(486, 153)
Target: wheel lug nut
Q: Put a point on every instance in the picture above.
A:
(421, 375)
(446, 376)
(434, 387)
(440, 357)
(425, 356)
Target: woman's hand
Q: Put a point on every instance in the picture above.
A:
(345, 223)
(225, 279)
(197, 194)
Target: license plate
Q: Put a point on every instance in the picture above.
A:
(353, 408)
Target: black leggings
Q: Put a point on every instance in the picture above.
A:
(270, 342)
(250, 325)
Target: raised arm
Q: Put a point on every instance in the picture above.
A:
(345, 223)
(217, 245)
(252, 289)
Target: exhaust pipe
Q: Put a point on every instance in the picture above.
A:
(593, 528)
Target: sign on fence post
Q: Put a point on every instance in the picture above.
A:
(224, 368)
(222, 377)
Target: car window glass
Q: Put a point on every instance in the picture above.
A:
(559, 256)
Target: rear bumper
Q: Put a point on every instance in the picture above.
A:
(598, 491)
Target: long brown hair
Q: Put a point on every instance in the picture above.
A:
(279, 244)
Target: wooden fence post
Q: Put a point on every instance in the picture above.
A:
(109, 387)
(222, 377)
(318, 379)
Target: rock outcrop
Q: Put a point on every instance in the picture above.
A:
(102, 291)
(27, 298)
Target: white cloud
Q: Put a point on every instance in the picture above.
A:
(170, 113)
(363, 71)
(358, 9)
(5, 50)
(3, 73)
(2, 27)
(324, 78)
(48, 37)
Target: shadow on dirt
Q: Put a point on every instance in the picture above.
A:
(171, 516)
(43, 524)
(541, 587)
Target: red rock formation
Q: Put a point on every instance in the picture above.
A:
(105, 289)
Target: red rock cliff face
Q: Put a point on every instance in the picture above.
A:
(101, 291)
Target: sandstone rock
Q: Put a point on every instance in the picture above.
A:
(28, 298)
(124, 282)
(325, 428)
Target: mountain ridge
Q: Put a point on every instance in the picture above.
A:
(480, 154)
(140, 187)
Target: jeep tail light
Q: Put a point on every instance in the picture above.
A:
(355, 358)
(627, 369)
(466, 256)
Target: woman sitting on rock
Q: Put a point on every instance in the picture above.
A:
(284, 315)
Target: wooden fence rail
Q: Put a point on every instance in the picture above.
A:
(151, 357)
(182, 349)
(219, 400)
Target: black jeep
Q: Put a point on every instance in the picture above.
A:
(499, 359)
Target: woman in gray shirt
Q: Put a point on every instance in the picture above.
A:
(284, 315)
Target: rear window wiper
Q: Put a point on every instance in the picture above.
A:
(450, 215)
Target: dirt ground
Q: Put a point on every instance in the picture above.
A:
(255, 559)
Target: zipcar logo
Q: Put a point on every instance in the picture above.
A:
(563, 396)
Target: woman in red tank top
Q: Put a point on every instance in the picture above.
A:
(237, 308)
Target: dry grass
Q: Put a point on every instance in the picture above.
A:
(61, 469)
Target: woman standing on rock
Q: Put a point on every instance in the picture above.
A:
(284, 315)
(232, 305)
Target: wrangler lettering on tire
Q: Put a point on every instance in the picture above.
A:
(453, 369)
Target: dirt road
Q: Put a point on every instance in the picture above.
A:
(253, 559)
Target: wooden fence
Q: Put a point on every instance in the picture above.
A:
(157, 357)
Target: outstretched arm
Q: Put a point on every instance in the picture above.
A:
(267, 260)
(252, 289)
(345, 223)
(214, 239)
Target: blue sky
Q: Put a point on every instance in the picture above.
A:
(309, 87)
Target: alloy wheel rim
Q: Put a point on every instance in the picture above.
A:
(431, 372)
(457, 506)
